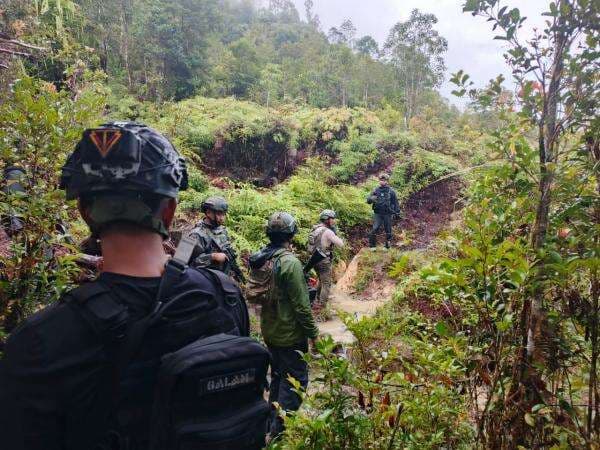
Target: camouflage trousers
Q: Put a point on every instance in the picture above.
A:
(324, 272)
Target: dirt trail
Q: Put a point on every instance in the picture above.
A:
(343, 299)
(426, 213)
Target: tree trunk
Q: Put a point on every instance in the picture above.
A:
(593, 395)
(125, 40)
(527, 383)
(547, 156)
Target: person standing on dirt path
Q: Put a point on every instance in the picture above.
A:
(286, 321)
(323, 238)
(79, 374)
(385, 205)
(213, 247)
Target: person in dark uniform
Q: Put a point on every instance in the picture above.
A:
(213, 246)
(385, 205)
(58, 381)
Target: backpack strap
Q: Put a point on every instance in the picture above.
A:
(277, 263)
(106, 316)
(319, 244)
(233, 297)
(226, 284)
(317, 235)
(135, 335)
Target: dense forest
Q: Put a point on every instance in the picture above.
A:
(489, 333)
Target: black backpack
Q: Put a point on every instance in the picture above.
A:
(224, 374)
(208, 394)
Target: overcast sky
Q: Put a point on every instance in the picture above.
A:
(470, 43)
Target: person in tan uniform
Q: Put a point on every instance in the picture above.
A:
(323, 238)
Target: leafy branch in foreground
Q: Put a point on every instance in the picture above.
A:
(559, 89)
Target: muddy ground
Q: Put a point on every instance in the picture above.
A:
(424, 215)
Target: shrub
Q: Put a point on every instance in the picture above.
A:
(197, 180)
(319, 128)
(422, 168)
(398, 141)
(399, 399)
(433, 135)
(355, 157)
(39, 126)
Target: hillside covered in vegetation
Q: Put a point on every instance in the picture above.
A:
(489, 336)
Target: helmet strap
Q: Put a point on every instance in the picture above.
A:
(210, 221)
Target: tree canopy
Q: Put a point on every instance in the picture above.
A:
(175, 49)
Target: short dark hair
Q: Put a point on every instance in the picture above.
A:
(280, 238)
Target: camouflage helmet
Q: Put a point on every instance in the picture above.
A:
(384, 177)
(214, 203)
(327, 214)
(282, 222)
(122, 170)
(120, 157)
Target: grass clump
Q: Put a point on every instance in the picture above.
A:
(373, 266)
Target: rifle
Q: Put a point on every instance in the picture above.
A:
(186, 246)
(232, 263)
(316, 257)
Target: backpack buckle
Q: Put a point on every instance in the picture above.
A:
(184, 251)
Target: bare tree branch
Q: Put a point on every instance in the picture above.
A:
(13, 52)
(24, 44)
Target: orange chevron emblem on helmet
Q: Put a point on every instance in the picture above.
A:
(105, 140)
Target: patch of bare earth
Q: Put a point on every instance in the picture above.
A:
(424, 215)
(430, 210)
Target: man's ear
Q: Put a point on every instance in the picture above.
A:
(168, 213)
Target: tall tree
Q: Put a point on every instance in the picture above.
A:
(285, 10)
(312, 18)
(344, 34)
(416, 51)
(367, 46)
(557, 72)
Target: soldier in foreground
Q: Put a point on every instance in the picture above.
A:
(82, 373)
(323, 239)
(213, 246)
(385, 205)
(286, 322)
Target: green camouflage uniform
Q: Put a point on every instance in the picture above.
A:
(210, 240)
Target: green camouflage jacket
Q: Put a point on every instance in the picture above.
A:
(209, 241)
